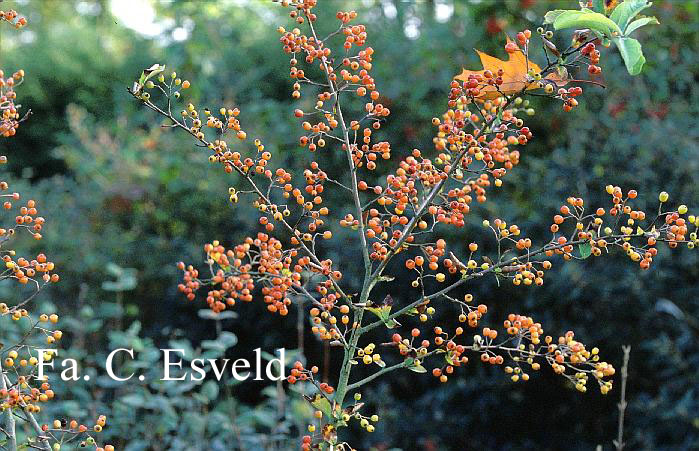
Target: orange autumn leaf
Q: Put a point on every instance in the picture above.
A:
(515, 77)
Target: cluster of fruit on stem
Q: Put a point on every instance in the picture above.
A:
(23, 333)
(397, 219)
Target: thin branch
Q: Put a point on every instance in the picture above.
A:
(619, 442)
(381, 372)
(10, 421)
(294, 232)
(481, 273)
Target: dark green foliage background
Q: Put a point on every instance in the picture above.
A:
(115, 187)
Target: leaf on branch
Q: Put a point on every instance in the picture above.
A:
(585, 250)
(585, 18)
(551, 16)
(351, 410)
(418, 368)
(321, 403)
(624, 13)
(551, 46)
(599, 6)
(414, 365)
(151, 72)
(631, 53)
(420, 308)
(515, 77)
(638, 23)
(383, 311)
(146, 75)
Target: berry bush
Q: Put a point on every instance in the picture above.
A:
(403, 201)
(24, 333)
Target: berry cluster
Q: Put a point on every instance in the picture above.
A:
(22, 394)
(232, 274)
(10, 118)
(13, 18)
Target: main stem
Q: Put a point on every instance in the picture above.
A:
(370, 278)
(368, 282)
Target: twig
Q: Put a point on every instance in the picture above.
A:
(619, 442)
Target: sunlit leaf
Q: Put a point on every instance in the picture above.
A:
(598, 6)
(632, 54)
(515, 77)
(624, 13)
(638, 23)
(146, 75)
(586, 19)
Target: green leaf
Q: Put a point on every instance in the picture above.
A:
(551, 16)
(133, 400)
(418, 368)
(598, 6)
(638, 23)
(114, 269)
(626, 11)
(225, 341)
(562, 72)
(149, 73)
(229, 339)
(414, 365)
(126, 278)
(210, 314)
(586, 19)
(383, 312)
(210, 390)
(152, 71)
(180, 344)
(321, 403)
(585, 250)
(632, 54)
